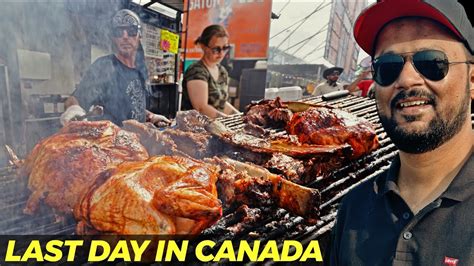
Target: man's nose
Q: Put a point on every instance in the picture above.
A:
(124, 34)
(409, 76)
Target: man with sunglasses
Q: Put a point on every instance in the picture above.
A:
(332, 76)
(116, 82)
(420, 210)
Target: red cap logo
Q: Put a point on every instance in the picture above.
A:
(450, 261)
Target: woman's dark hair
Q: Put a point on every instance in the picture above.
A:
(209, 32)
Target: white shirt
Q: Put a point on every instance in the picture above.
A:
(324, 88)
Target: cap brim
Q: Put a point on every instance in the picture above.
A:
(373, 19)
(331, 69)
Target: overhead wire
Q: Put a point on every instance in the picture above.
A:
(304, 18)
(279, 12)
(302, 22)
(316, 59)
(305, 41)
(318, 47)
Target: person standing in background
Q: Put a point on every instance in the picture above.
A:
(361, 84)
(205, 82)
(116, 82)
(332, 76)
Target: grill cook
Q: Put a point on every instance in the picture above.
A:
(116, 82)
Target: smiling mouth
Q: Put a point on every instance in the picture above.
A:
(412, 103)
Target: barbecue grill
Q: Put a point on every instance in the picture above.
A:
(272, 224)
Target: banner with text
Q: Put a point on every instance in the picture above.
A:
(247, 21)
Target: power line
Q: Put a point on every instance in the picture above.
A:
(318, 47)
(287, 28)
(279, 12)
(322, 29)
(301, 21)
(321, 56)
(316, 59)
(304, 40)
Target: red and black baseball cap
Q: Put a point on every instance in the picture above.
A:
(450, 13)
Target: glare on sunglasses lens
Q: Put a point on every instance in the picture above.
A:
(431, 64)
(387, 69)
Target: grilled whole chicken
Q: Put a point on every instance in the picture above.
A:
(163, 195)
(324, 126)
(62, 167)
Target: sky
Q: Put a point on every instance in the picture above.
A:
(292, 11)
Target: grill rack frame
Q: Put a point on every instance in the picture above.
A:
(47, 223)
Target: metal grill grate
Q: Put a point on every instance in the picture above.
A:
(282, 225)
(274, 224)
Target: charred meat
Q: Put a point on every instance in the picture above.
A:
(287, 146)
(192, 121)
(323, 126)
(244, 183)
(62, 167)
(288, 166)
(268, 113)
(237, 222)
(151, 137)
(171, 141)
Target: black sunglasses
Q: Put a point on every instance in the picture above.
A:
(432, 64)
(217, 49)
(117, 32)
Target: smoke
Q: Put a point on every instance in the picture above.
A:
(66, 30)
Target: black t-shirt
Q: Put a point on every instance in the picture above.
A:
(375, 226)
(119, 89)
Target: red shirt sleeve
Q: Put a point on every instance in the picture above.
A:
(364, 86)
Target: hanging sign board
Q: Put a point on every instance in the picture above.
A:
(247, 21)
(169, 41)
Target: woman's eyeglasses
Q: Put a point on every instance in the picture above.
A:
(218, 50)
(432, 64)
(117, 32)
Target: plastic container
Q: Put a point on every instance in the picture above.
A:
(271, 93)
(292, 93)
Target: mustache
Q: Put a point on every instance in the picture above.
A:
(404, 94)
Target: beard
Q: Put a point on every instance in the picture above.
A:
(127, 52)
(441, 129)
